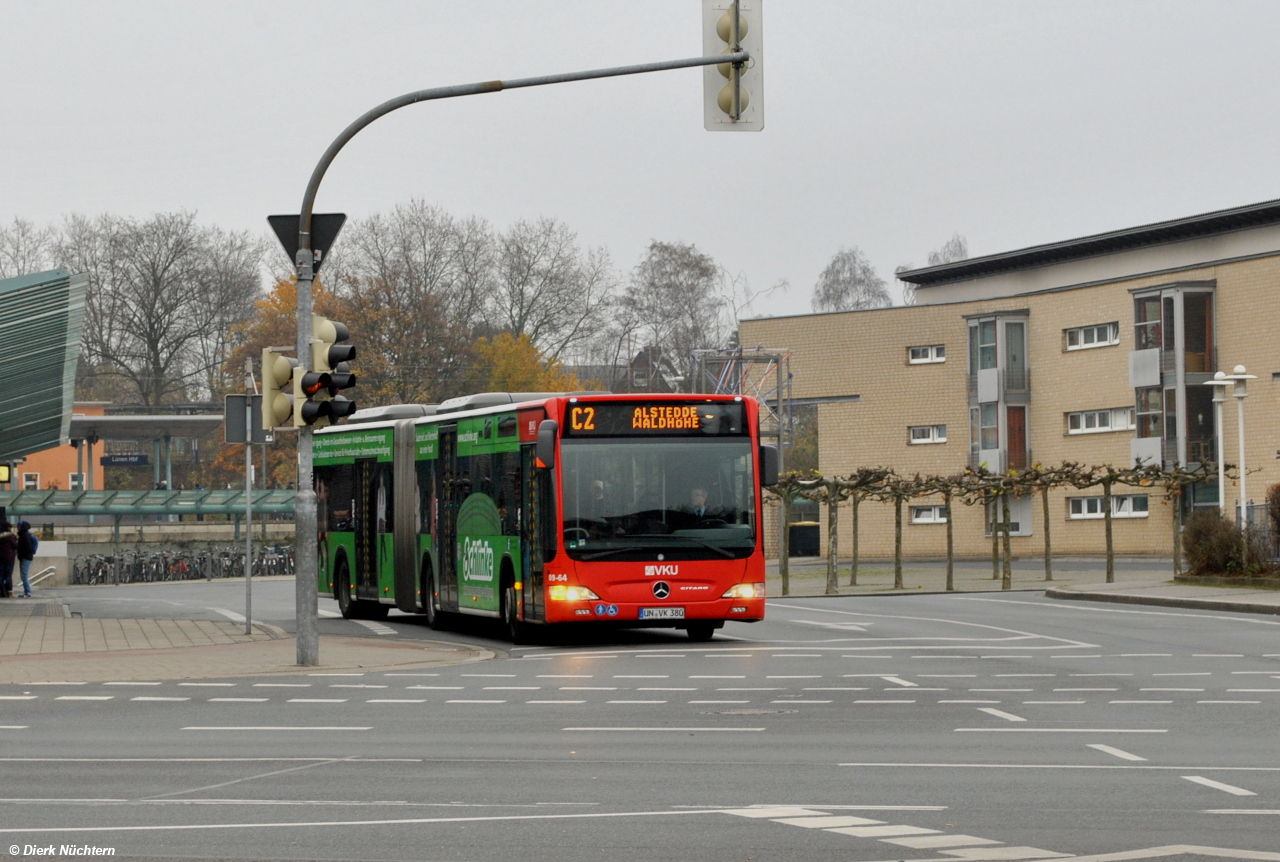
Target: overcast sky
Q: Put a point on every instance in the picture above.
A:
(889, 125)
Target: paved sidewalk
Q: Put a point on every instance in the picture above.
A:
(875, 577)
(1168, 594)
(39, 644)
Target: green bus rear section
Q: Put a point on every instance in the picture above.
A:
(471, 483)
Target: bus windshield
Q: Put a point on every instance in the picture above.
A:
(684, 498)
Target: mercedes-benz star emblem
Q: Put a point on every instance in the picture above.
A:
(662, 589)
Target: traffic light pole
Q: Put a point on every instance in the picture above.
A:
(305, 532)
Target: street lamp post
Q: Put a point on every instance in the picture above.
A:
(1220, 384)
(1241, 392)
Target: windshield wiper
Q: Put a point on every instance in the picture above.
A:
(611, 551)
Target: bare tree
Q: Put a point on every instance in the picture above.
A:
(954, 249)
(849, 283)
(548, 289)
(675, 302)
(162, 293)
(25, 248)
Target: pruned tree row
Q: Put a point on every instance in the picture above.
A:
(972, 487)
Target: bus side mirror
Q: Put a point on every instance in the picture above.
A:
(768, 466)
(546, 451)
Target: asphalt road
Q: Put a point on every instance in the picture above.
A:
(889, 728)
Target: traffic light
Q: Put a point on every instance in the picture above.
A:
(316, 400)
(277, 400)
(722, 112)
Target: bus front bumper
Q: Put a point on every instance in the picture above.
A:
(659, 614)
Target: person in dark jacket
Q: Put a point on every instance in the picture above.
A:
(8, 553)
(26, 553)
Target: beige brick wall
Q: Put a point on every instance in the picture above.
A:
(865, 354)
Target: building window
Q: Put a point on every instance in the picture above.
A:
(926, 354)
(1150, 412)
(1099, 335)
(989, 426)
(986, 345)
(928, 514)
(1098, 421)
(31, 481)
(1122, 506)
(76, 482)
(927, 434)
(1146, 323)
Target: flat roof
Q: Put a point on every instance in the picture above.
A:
(1159, 233)
(146, 427)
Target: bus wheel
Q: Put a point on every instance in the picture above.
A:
(343, 585)
(701, 631)
(429, 596)
(516, 629)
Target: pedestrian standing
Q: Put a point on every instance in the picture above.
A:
(8, 553)
(27, 543)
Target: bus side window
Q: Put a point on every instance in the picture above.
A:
(340, 485)
(426, 483)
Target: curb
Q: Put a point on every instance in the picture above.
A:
(1166, 602)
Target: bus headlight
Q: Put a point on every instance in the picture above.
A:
(562, 593)
(745, 591)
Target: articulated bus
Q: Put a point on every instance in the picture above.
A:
(543, 509)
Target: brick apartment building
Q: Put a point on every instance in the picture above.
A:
(1093, 350)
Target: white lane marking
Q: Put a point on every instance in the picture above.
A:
(158, 699)
(209, 684)
(875, 701)
(1007, 716)
(1099, 674)
(54, 683)
(883, 831)
(435, 687)
(773, 811)
(237, 700)
(513, 688)
(838, 688)
(809, 676)
(1007, 854)
(738, 676)
(968, 701)
(131, 683)
(828, 822)
(165, 797)
(475, 701)
(565, 676)
(664, 688)
(588, 688)
(1141, 701)
(330, 614)
(802, 701)
(1145, 655)
(1243, 690)
(1243, 811)
(282, 685)
(14, 726)
(1217, 655)
(995, 690)
(938, 675)
(273, 728)
(745, 688)
(354, 685)
(231, 615)
(670, 730)
(18, 696)
(1114, 752)
(1192, 673)
(931, 842)
(796, 655)
(344, 673)
(1218, 785)
(636, 701)
(317, 700)
(1230, 701)
(1086, 689)
(1089, 766)
(1015, 675)
(1056, 730)
(86, 697)
(376, 628)
(897, 681)
(394, 700)
(491, 675)
(718, 701)
(555, 701)
(1179, 849)
(637, 676)
(1170, 689)
(1054, 702)
(411, 674)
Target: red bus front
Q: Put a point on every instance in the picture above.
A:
(658, 504)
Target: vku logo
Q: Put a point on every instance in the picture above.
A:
(668, 570)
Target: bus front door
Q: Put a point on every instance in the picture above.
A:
(446, 524)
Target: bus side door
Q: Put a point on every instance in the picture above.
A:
(366, 529)
(446, 535)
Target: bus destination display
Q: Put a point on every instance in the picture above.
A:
(655, 419)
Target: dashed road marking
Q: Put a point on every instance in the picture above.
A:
(1114, 752)
(86, 697)
(998, 713)
(376, 628)
(157, 699)
(237, 700)
(1218, 785)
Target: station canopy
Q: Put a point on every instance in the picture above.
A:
(41, 318)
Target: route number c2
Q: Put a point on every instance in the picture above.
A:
(582, 418)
